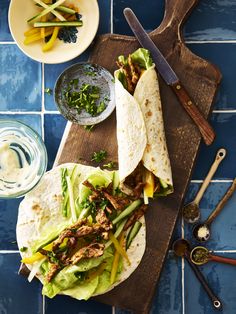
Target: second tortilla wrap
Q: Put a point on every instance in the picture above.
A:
(140, 126)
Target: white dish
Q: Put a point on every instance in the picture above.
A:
(20, 11)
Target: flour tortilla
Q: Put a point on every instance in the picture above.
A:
(40, 212)
(140, 129)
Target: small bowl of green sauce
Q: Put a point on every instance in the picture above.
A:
(84, 93)
(23, 158)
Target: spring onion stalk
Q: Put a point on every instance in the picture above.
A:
(118, 247)
(132, 233)
(127, 211)
(117, 233)
(45, 6)
(59, 23)
(116, 181)
(46, 11)
(63, 9)
(71, 199)
(35, 269)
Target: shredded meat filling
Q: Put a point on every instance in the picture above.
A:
(102, 220)
(92, 250)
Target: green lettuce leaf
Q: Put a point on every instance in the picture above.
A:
(84, 290)
(142, 57)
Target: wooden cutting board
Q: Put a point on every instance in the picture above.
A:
(201, 80)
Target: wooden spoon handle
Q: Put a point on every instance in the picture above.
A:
(220, 155)
(222, 203)
(204, 127)
(221, 259)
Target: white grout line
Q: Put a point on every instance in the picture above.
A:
(9, 252)
(44, 307)
(224, 111)
(28, 112)
(210, 41)
(111, 18)
(43, 100)
(7, 43)
(213, 181)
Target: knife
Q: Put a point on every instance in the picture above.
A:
(170, 77)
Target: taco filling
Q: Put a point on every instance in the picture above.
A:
(144, 164)
(78, 233)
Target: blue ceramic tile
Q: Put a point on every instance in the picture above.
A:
(220, 279)
(32, 120)
(52, 72)
(54, 125)
(223, 56)
(224, 126)
(223, 229)
(169, 292)
(20, 80)
(143, 10)
(17, 295)
(8, 218)
(67, 305)
(5, 34)
(212, 20)
(105, 20)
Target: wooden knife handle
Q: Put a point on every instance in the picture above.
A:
(204, 127)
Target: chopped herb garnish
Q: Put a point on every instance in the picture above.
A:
(113, 80)
(13, 242)
(91, 73)
(101, 107)
(23, 249)
(110, 165)
(89, 127)
(106, 98)
(99, 156)
(48, 91)
(84, 98)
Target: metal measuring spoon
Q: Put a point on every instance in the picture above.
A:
(191, 212)
(181, 248)
(201, 255)
(201, 231)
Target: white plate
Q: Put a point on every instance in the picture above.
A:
(20, 11)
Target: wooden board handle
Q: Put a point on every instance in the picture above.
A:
(204, 127)
(178, 10)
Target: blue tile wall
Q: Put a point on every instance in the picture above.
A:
(212, 20)
(224, 56)
(142, 10)
(210, 32)
(5, 34)
(17, 295)
(54, 125)
(20, 81)
(67, 305)
(224, 126)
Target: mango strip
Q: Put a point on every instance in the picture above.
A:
(37, 256)
(116, 259)
(52, 40)
(31, 31)
(149, 184)
(119, 248)
(36, 37)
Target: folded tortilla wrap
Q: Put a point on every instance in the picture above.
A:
(140, 126)
(40, 218)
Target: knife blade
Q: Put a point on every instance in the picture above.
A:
(170, 77)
